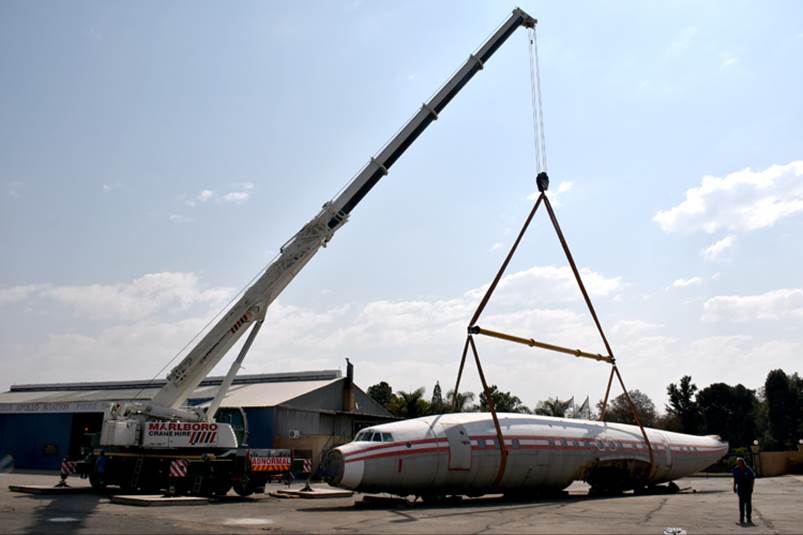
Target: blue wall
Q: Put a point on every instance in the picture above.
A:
(260, 427)
(24, 437)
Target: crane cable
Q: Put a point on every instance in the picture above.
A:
(539, 137)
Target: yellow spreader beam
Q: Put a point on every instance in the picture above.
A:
(534, 343)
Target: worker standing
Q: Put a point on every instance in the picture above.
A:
(743, 478)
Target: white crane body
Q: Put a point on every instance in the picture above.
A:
(125, 424)
(165, 423)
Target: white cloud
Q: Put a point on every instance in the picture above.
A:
(496, 246)
(16, 294)
(634, 327)
(565, 186)
(682, 41)
(727, 61)
(739, 202)
(556, 194)
(14, 189)
(408, 343)
(547, 284)
(785, 303)
(714, 251)
(237, 197)
(683, 283)
(178, 218)
(145, 296)
(234, 197)
(110, 186)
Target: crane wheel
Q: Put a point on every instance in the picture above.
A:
(96, 482)
(243, 490)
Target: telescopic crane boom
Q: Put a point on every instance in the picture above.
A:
(251, 307)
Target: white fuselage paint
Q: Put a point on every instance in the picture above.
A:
(458, 454)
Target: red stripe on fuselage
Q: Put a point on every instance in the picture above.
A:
(585, 444)
(399, 453)
(394, 445)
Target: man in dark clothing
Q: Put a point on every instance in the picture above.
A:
(743, 479)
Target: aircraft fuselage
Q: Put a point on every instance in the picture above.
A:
(459, 454)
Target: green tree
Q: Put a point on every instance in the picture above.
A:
(797, 386)
(782, 410)
(619, 409)
(552, 407)
(382, 393)
(464, 402)
(409, 404)
(503, 401)
(729, 411)
(683, 406)
(437, 406)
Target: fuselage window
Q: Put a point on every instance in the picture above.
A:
(516, 443)
(377, 437)
(387, 437)
(360, 436)
(481, 443)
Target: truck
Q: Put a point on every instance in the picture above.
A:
(164, 445)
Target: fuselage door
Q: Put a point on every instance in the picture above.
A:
(668, 447)
(459, 447)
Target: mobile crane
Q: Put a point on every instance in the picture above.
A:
(162, 444)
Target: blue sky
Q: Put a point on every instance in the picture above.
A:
(153, 157)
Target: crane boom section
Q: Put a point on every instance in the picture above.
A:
(391, 152)
(295, 254)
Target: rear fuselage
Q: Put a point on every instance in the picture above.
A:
(459, 454)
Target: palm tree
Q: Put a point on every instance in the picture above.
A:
(464, 402)
(552, 407)
(410, 404)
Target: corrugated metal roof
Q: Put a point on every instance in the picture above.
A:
(318, 375)
(267, 395)
(248, 393)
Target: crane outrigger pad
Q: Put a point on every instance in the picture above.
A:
(158, 500)
(50, 489)
(475, 329)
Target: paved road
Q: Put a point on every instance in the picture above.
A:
(712, 509)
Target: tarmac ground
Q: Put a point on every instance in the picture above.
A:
(706, 505)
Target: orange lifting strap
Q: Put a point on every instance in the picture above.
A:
(474, 329)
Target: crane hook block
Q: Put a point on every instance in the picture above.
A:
(542, 181)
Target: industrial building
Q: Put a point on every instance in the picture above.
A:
(307, 412)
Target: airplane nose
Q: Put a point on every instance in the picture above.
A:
(333, 467)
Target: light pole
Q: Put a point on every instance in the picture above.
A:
(756, 450)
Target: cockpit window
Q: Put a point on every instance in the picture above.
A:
(367, 435)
